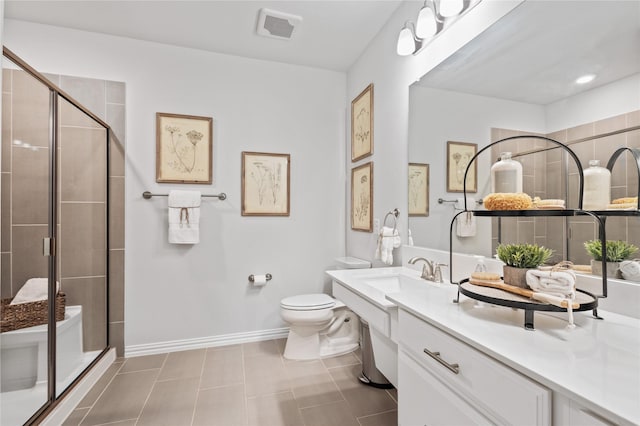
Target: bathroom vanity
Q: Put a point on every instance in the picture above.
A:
(473, 363)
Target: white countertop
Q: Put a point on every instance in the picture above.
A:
(596, 364)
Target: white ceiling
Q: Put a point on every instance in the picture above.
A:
(536, 52)
(332, 35)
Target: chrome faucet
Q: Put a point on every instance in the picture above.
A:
(430, 270)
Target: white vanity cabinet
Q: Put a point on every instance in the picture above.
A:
(442, 380)
(570, 413)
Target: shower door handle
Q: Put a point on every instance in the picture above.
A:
(48, 246)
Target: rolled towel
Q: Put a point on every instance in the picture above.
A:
(561, 283)
(33, 290)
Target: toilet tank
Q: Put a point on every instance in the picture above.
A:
(352, 263)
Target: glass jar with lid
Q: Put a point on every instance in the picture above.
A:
(597, 187)
(506, 175)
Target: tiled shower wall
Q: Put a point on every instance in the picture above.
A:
(545, 176)
(82, 214)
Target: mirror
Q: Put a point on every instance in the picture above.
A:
(518, 77)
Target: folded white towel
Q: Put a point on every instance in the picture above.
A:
(466, 225)
(184, 217)
(388, 239)
(33, 290)
(561, 283)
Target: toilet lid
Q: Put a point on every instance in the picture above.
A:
(308, 302)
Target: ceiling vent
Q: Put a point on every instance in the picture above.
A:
(276, 24)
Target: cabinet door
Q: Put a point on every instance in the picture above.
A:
(423, 400)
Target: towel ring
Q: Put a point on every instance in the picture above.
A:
(394, 213)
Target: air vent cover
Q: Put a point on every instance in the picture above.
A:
(276, 24)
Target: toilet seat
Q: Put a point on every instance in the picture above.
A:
(308, 302)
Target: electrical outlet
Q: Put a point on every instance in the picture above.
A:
(376, 226)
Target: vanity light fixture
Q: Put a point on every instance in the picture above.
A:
(449, 8)
(407, 41)
(428, 23)
(432, 19)
(587, 78)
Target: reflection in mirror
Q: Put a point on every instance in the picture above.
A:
(518, 77)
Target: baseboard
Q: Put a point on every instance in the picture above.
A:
(67, 404)
(204, 342)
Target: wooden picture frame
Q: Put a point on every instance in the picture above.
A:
(362, 198)
(362, 124)
(418, 189)
(459, 154)
(266, 179)
(184, 148)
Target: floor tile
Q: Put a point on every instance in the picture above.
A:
(265, 375)
(263, 348)
(224, 406)
(394, 394)
(75, 417)
(363, 400)
(224, 348)
(274, 410)
(311, 383)
(340, 361)
(123, 399)
(222, 368)
(170, 403)
(336, 413)
(93, 394)
(129, 422)
(140, 363)
(183, 365)
(390, 418)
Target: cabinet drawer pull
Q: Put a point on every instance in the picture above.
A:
(455, 368)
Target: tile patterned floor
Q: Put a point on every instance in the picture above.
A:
(240, 385)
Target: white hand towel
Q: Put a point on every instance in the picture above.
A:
(184, 217)
(388, 239)
(410, 242)
(562, 283)
(466, 225)
(33, 290)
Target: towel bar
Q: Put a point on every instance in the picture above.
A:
(147, 195)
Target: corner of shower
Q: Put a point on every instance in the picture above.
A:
(55, 242)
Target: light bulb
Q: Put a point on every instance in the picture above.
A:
(406, 42)
(426, 27)
(450, 8)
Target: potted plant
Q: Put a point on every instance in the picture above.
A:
(518, 258)
(617, 251)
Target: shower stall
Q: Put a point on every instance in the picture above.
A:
(55, 236)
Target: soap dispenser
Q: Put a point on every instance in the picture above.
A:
(506, 175)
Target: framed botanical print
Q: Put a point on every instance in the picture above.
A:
(418, 189)
(362, 198)
(265, 184)
(362, 124)
(459, 154)
(184, 148)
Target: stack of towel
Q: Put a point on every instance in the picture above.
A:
(388, 239)
(35, 289)
(184, 217)
(561, 283)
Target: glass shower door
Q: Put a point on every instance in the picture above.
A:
(25, 224)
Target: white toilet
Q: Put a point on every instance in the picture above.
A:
(319, 325)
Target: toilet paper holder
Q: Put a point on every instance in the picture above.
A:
(252, 277)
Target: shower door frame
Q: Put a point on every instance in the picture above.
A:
(49, 244)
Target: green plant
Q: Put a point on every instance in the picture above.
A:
(523, 255)
(617, 250)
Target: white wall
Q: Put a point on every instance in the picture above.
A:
(613, 99)
(437, 116)
(195, 292)
(392, 75)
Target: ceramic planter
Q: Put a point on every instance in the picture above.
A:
(613, 269)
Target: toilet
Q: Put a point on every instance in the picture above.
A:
(319, 325)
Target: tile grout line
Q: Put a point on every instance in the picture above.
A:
(99, 396)
(375, 414)
(195, 403)
(164, 362)
(244, 385)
